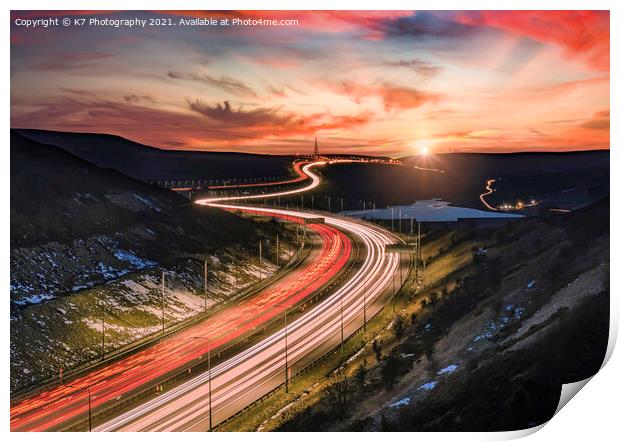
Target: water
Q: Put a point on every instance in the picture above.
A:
(433, 210)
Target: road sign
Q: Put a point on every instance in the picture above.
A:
(396, 248)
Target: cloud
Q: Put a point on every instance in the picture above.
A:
(207, 126)
(393, 97)
(225, 83)
(583, 34)
(422, 67)
(599, 121)
(275, 121)
(224, 113)
(133, 98)
(424, 24)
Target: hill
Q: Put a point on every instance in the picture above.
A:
(150, 163)
(89, 243)
(569, 180)
(489, 339)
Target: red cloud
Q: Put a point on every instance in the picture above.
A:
(393, 97)
(581, 33)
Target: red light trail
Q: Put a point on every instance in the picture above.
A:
(55, 406)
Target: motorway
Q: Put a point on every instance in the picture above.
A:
(246, 377)
(54, 407)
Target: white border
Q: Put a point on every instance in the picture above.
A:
(590, 417)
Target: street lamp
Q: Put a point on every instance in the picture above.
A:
(90, 416)
(209, 375)
(341, 325)
(206, 286)
(364, 298)
(285, 345)
(285, 351)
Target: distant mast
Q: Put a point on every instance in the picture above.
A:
(316, 147)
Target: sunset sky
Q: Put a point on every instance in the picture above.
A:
(385, 82)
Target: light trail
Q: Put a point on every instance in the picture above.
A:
(297, 167)
(489, 191)
(247, 376)
(519, 205)
(54, 406)
(429, 169)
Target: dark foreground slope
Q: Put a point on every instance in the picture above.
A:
(90, 245)
(149, 163)
(56, 196)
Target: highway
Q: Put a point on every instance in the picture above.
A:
(51, 408)
(246, 376)
(241, 380)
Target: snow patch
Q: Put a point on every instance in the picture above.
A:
(428, 386)
(449, 369)
(400, 403)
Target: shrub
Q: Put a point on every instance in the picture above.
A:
(399, 326)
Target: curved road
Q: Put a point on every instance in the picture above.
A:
(247, 376)
(241, 380)
(63, 404)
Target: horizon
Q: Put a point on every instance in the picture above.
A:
(301, 154)
(379, 83)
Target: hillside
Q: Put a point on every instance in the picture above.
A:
(149, 163)
(88, 243)
(487, 342)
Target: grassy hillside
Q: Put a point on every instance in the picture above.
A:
(488, 341)
(89, 243)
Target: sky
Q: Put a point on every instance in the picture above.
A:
(379, 83)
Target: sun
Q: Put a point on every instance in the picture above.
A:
(424, 146)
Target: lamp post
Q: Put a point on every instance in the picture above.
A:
(208, 375)
(163, 302)
(102, 333)
(206, 285)
(285, 351)
(341, 325)
(364, 298)
(90, 416)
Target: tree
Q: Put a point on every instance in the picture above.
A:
(399, 326)
(337, 393)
